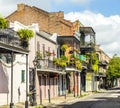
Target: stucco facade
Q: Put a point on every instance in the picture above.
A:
(19, 80)
(103, 59)
(47, 78)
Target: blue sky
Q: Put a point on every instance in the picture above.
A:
(106, 7)
(102, 15)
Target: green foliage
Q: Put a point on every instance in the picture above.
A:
(25, 34)
(89, 76)
(38, 106)
(48, 54)
(113, 70)
(62, 62)
(78, 64)
(64, 47)
(94, 61)
(3, 23)
(39, 54)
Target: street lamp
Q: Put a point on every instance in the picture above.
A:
(35, 62)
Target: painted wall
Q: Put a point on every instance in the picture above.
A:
(5, 81)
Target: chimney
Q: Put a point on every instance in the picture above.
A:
(20, 7)
(60, 14)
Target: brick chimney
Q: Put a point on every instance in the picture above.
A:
(20, 7)
(60, 14)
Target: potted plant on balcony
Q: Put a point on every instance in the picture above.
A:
(60, 62)
(3, 23)
(64, 47)
(25, 35)
(39, 55)
(48, 54)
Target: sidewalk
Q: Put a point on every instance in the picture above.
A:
(55, 101)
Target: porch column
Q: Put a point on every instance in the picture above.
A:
(74, 82)
(77, 84)
(65, 84)
(49, 92)
(26, 102)
(11, 103)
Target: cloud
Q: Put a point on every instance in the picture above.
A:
(72, 2)
(5, 9)
(81, 1)
(106, 28)
(11, 5)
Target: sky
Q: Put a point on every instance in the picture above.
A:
(102, 15)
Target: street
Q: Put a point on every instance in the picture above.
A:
(107, 99)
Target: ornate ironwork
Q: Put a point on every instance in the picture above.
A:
(9, 36)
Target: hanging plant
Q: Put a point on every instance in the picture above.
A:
(64, 47)
(25, 35)
(48, 54)
(39, 55)
(78, 64)
(56, 61)
(60, 62)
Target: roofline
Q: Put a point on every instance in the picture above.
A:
(45, 38)
(68, 37)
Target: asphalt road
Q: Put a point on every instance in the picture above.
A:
(107, 99)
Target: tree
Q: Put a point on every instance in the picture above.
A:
(113, 71)
(3, 23)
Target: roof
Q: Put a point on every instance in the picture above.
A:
(45, 35)
(40, 10)
(64, 39)
(66, 22)
(87, 30)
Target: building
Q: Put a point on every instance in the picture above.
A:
(45, 78)
(69, 52)
(103, 65)
(13, 68)
(87, 48)
(50, 22)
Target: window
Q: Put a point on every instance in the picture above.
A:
(38, 46)
(44, 50)
(23, 76)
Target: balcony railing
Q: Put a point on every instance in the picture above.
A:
(10, 37)
(84, 65)
(48, 64)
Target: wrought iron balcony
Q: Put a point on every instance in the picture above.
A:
(10, 37)
(84, 65)
(48, 64)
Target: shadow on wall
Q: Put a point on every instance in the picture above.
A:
(3, 80)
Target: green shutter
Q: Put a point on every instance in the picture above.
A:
(82, 57)
(23, 76)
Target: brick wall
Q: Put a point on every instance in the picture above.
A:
(50, 22)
